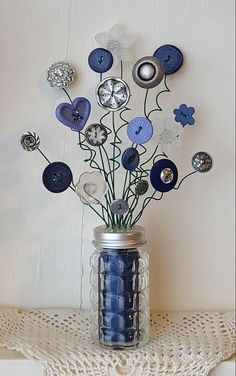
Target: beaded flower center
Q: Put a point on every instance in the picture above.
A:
(113, 45)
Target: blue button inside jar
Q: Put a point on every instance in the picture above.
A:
(118, 296)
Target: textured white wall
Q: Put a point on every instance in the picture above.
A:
(46, 239)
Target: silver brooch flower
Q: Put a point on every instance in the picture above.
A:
(60, 75)
(117, 43)
(91, 187)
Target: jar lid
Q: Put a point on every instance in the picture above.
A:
(106, 237)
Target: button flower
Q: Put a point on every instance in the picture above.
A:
(184, 115)
(60, 75)
(91, 187)
(30, 141)
(117, 43)
(168, 135)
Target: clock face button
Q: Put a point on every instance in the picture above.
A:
(113, 94)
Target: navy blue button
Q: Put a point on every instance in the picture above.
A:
(57, 177)
(130, 159)
(140, 130)
(170, 57)
(164, 175)
(100, 60)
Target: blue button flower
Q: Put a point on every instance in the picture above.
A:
(183, 115)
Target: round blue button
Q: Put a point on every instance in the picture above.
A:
(100, 60)
(140, 130)
(57, 177)
(164, 175)
(170, 57)
(130, 159)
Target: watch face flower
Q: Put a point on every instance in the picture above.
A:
(60, 75)
(168, 135)
(91, 188)
(117, 43)
(184, 115)
(30, 141)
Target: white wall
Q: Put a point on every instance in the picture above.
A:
(45, 238)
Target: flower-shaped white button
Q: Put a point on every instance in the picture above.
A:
(96, 134)
(117, 43)
(91, 187)
(168, 134)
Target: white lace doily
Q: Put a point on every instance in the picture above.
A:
(181, 343)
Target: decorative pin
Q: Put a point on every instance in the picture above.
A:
(202, 161)
(113, 93)
(148, 72)
(57, 177)
(74, 115)
(60, 75)
(95, 134)
(30, 141)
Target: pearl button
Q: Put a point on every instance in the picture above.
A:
(147, 71)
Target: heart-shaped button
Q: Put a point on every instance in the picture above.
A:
(74, 115)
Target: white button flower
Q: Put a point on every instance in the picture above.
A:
(117, 44)
(168, 134)
(91, 187)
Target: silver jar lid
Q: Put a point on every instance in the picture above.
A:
(105, 237)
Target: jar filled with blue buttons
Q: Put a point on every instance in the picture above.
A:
(119, 288)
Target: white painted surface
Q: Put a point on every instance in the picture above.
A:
(13, 363)
(44, 247)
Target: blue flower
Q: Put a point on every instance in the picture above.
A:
(183, 115)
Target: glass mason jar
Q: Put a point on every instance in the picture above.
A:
(119, 293)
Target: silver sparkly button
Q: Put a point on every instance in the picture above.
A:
(60, 75)
(113, 93)
(119, 207)
(141, 187)
(30, 141)
(148, 72)
(167, 175)
(95, 134)
(202, 161)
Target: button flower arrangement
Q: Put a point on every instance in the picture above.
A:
(147, 176)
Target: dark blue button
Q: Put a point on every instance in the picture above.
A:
(130, 159)
(140, 130)
(164, 175)
(57, 177)
(100, 60)
(170, 57)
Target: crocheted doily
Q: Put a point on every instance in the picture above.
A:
(181, 343)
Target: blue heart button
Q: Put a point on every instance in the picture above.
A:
(74, 115)
(170, 57)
